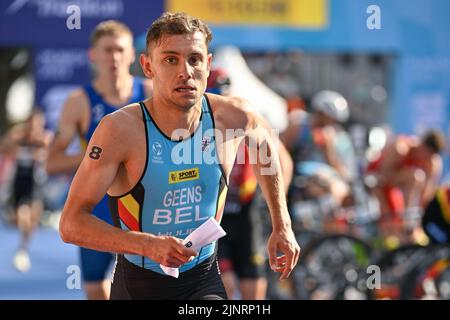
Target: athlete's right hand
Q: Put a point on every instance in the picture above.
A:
(168, 251)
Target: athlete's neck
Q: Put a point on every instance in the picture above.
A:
(116, 91)
(171, 118)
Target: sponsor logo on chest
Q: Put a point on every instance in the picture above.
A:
(184, 175)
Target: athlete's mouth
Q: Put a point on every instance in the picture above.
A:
(185, 88)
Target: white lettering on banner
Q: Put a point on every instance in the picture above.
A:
(59, 64)
(58, 8)
(53, 100)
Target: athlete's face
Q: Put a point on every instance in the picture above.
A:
(113, 55)
(179, 67)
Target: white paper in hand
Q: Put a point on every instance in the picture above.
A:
(207, 233)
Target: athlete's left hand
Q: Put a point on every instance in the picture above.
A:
(283, 241)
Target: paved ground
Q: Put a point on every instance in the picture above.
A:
(47, 278)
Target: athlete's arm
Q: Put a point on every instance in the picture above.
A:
(271, 180)
(392, 156)
(270, 177)
(108, 150)
(69, 127)
(287, 165)
(286, 162)
(10, 140)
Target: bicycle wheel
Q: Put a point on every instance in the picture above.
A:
(430, 278)
(332, 267)
(394, 264)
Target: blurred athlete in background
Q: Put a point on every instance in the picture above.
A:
(28, 143)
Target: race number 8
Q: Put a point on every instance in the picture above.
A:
(95, 153)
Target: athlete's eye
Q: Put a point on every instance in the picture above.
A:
(171, 60)
(195, 60)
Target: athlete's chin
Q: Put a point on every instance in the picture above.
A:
(186, 106)
(118, 72)
(187, 102)
(114, 75)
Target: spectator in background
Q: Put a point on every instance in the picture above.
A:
(407, 173)
(320, 145)
(28, 142)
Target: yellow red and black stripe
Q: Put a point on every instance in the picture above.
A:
(83, 143)
(247, 189)
(443, 197)
(127, 209)
(222, 195)
(248, 183)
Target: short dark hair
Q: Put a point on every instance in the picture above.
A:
(176, 24)
(434, 140)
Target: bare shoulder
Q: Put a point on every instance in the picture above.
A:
(77, 99)
(232, 112)
(112, 138)
(75, 106)
(122, 122)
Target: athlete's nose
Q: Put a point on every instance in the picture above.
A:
(116, 55)
(185, 71)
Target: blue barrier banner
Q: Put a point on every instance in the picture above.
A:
(58, 33)
(55, 22)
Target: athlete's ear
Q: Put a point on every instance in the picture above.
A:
(91, 54)
(133, 55)
(209, 62)
(146, 65)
